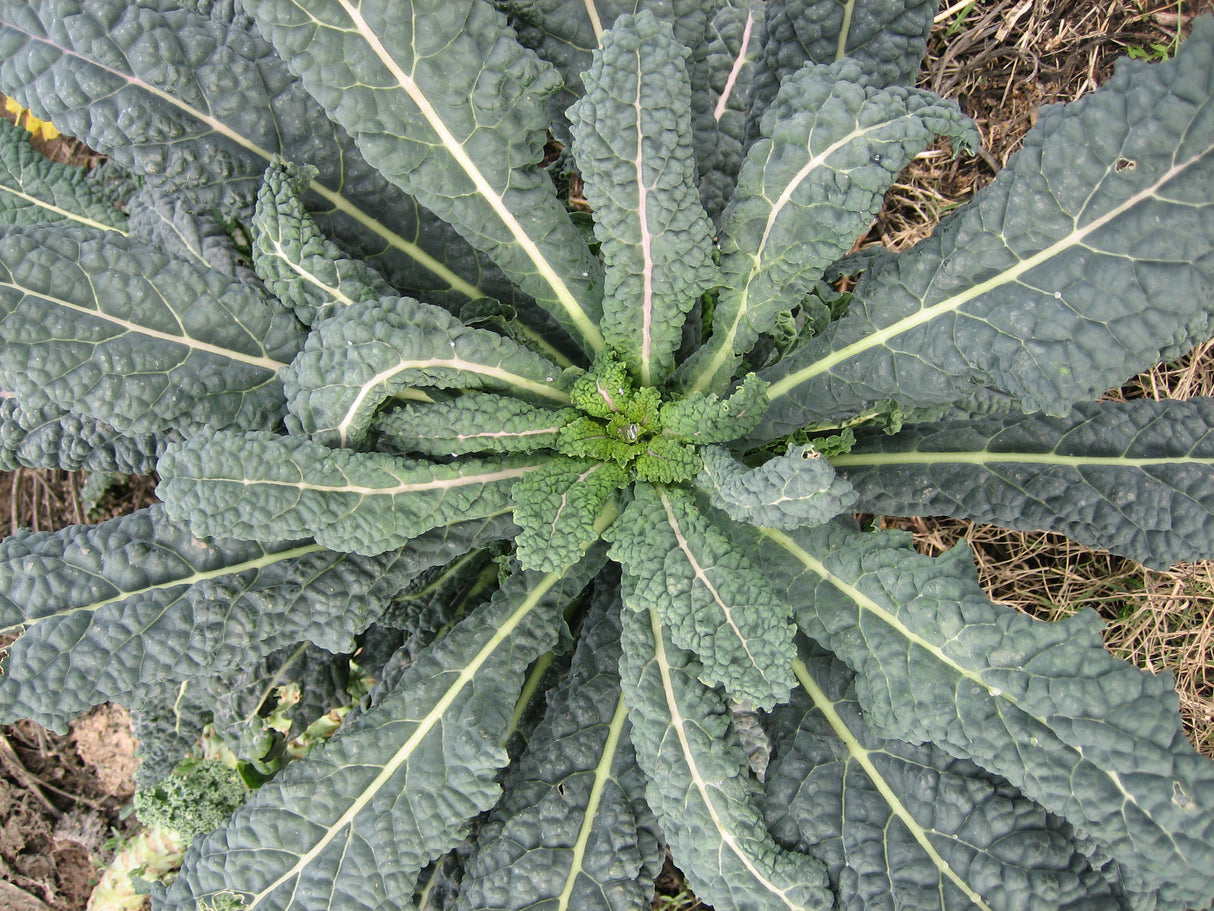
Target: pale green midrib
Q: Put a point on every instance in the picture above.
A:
(863, 758)
(721, 345)
(328, 290)
(602, 774)
(849, 9)
(956, 301)
(596, 21)
(498, 374)
(265, 363)
(452, 569)
(338, 201)
(735, 70)
(542, 343)
(701, 576)
(424, 725)
(61, 212)
(866, 603)
(264, 560)
(423, 891)
(504, 474)
(509, 434)
(982, 457)
(677, 722)
(530, 687)
(563, 503)
(876, 610)
(466, 675)
(563, 295)
(646, 238)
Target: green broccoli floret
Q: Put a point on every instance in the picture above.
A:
(197, 798)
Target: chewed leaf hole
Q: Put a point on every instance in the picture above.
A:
(1125, 164)
(1182, 798)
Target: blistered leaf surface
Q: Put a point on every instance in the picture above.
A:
(557, 507)
(887, 38)
(368, 351)
(268, 487)
(34, 189)
(104, 325)
(572, 831)
(169, 223)
(1056, 283)
(1132, 477)
(699, 783)
(105, 630)
(49, 437)
(794, 489)
(902, 825)
(829, 147)
(714, 600)
(473, 422)
(722, 74)
(356, 823)
(301, 267)
(464, 143)
(214, 105)
(1044, 705)
(632, 141)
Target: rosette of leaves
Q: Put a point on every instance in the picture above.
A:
(589, 494)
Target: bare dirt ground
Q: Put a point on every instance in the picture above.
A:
(62, 797)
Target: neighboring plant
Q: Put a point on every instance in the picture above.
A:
(576, 498)
(196, 798)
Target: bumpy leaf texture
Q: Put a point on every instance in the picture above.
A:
(1133, 477)
(473, 422)
(1044, 705)
(830, 146)
(557, 506)
(34, 189)
(166, 221)
(632, 141)
(300, 266)
(1056, 283)
(104, 325)
(573, 830)
(790, 490)
(886, 37)
(202, 104)
(699, 783)
(96, 628)
(908, 826)
(465, 144)
(267, 487)
(722, 76)
(371, 350)
(565, 34)
(49, 437)
(357, 822)
(716, 603)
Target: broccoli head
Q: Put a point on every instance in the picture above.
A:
(195, 799)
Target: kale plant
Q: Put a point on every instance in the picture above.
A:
(573, 490)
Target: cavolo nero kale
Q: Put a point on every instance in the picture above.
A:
(571, 497)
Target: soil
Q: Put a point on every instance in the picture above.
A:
(61, 800)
